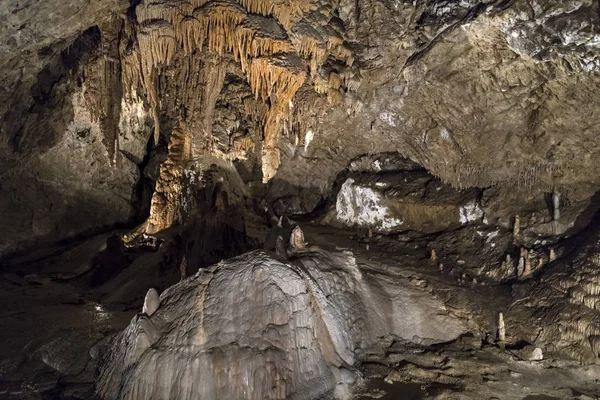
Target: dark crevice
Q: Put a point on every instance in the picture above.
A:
(131, 15)
(144, 187)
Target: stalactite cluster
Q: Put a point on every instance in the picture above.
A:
(272, 41)
(277, 78)
(179, 52)
(166, 201)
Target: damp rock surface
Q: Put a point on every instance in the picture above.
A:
(438, 158)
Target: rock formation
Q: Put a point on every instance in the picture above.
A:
(254, 327)
(151, 302)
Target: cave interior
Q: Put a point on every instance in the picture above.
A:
(300, 199)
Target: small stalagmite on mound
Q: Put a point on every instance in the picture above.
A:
(151, 302)
(297, 243)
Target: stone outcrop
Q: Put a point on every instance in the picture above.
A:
(450, 86)
(253, 327)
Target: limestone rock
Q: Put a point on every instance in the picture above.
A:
(68, 353)
(407, 199)
(575, 308)
(531, 353)
(297, 243)
(257, 328)
(151, 302)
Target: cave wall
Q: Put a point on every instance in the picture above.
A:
(498, 94)
(62, 125)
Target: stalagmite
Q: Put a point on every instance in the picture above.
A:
(151, 302)
(501, 328)
(433, 256)
(165, 205)
(527, 270)
(521, 266)
(517, 228)
(507, 266)
(297, 242)
(556, 204)
(552, 255)
(555, 211)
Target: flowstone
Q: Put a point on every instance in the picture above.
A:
(253, 327)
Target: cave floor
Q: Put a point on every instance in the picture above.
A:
(50, 319)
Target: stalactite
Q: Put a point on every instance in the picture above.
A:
(312, 49)
(247, 30)
(255, 108)
(280, 75)
(214, 75)
(335, 82)
(130, 62)
(157, 47)
(337, 48)
(277, 78)
(166, 200)
(283, 12)
(172, 12)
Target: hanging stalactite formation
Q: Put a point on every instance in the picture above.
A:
(179, 52)
(272, 41)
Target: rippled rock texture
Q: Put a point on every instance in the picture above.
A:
(254, 327)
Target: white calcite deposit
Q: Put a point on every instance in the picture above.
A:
(362, 206)
(256, 328)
